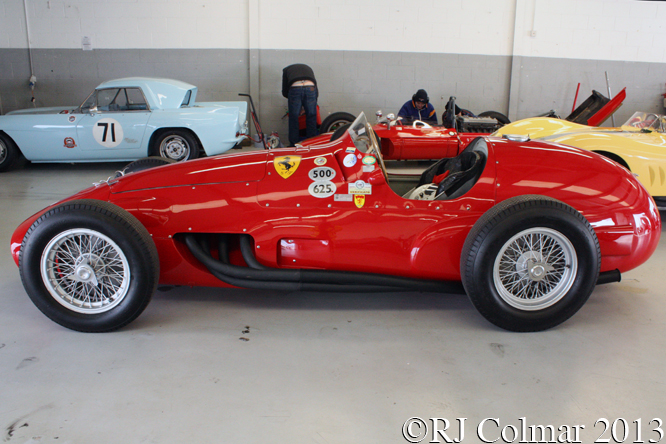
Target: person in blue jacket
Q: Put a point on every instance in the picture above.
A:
(419, 108)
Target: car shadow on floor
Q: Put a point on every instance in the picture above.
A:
(189, 305)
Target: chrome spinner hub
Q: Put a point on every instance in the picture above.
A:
(532, 266)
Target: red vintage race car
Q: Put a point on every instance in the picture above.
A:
(527, 240)
(416, 140)
(420, 141)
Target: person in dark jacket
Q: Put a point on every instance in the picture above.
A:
(419, 108)
(299, 86)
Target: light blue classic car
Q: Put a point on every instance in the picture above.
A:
(123, 120)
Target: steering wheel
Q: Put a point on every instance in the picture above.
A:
(374, 147)
(420, 124)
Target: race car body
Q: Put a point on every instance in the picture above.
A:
(639, 144)
(527, 240)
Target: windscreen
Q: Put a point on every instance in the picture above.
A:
(647, 121)
(359, 131)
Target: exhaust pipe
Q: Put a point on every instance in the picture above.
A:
(259, 276)
(608, 277)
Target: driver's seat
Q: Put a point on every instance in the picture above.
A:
(470, 168)
(454, 176)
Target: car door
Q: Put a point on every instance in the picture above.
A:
(43, 135)
(115, 124)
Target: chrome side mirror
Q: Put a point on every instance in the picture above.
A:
(393, 120)
(389, 120)
(380, 118)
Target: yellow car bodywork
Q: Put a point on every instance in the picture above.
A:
(639, 145)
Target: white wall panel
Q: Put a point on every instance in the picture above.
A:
(620, 30)
(117, 24)
(625, 30)
(12, 31)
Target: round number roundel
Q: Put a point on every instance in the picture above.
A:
(108, 132)
(322, 189)
(321, 173)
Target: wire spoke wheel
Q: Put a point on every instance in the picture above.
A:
(519, 265)
(89, 265)
(535, 269)
(85, 271)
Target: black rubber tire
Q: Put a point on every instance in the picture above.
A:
(334, 121)
(124, 230)
(490, 233)
(339, 132)
(186, 139)
(144, 164)
(501, 118)
(10, 155)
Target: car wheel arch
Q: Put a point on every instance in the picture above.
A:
(13, 157)
(614, 157)
(152, 149)
(442, 246)
(7, 135)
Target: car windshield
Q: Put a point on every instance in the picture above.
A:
(359, 131)
(647, 121)
(115, 99)
(88, 103)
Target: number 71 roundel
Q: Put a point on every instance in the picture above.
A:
(108, 132)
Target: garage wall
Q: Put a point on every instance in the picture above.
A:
(520, 57)
(558, 44)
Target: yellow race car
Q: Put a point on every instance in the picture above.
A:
(639, 145)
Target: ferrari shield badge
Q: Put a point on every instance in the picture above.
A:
(359, 200)
(286, 165)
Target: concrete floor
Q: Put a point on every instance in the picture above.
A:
(316, 368)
